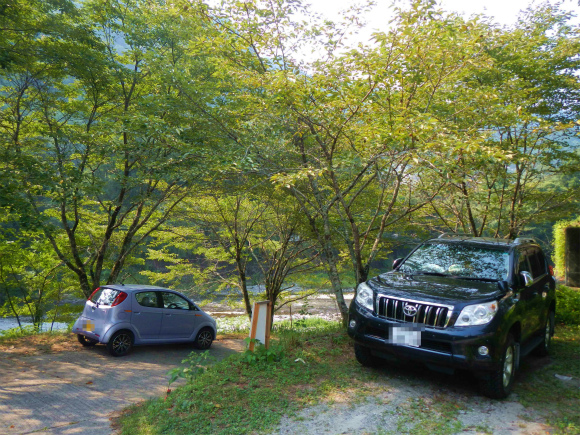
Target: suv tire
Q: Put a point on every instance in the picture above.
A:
(543, 348)
(498, 384)
(364, 356)
(120, 343)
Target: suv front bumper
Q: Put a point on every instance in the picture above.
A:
(441, 348)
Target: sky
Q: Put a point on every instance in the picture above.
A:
(504, 12)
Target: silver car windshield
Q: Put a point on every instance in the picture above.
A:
(464, 261)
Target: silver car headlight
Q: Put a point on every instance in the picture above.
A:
(478, 314)
(364, 296)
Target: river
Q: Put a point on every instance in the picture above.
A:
(11, 322)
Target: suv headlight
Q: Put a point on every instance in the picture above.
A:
(364, 296)
(478, 314)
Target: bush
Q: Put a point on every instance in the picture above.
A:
(559, 256)
(567, 305)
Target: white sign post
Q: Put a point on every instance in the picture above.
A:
(261, 319)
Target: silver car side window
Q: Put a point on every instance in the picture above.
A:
(147, 299)
(173, 301)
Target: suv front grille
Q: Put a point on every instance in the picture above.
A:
(425, 313)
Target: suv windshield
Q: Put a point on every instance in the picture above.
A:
(466, 261)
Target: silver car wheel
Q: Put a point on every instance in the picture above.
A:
(204, 339)
(508, 366)
(121, 344)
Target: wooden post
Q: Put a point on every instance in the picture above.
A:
(261, 323)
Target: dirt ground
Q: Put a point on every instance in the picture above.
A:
(414, 400)
(53, 386)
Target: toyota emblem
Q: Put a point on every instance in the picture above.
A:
(410, 310)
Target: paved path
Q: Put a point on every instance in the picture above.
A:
(77, 392)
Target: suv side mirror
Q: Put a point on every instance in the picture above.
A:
(526, 278)
(397, 262)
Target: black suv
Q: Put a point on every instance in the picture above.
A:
(459, 302)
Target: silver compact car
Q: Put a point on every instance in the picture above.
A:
(123, 316)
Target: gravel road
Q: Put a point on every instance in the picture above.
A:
(410, 400)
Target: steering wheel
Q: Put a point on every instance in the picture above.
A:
(172, 306)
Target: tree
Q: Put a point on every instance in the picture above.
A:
(96, 152)
(524, 105)
(32, 282)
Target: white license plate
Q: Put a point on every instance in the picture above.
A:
(88, 325)
(405, 336)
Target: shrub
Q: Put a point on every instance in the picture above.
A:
(568, 305)
(559, 256)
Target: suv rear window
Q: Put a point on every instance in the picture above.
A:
(104, 296)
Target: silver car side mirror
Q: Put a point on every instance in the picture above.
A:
(527, 277)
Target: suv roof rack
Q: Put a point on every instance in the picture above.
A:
(449, 235)
(521, 240)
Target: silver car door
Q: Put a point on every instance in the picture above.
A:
(179, 316)
(147, 314)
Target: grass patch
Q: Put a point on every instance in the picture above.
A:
(237, 396)
(568, 305)
(422, 416)
(14, 334)
(313, 363)
(557, 399)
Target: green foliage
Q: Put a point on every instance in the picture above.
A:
(261, 354)
(559, 235)
(567, 305)
(305, 325)
(33, 283)
(195, 365)
(519, 169)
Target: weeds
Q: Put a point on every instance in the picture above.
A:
(261, 354)
(568, 305)
(195, 364)
(235, 395)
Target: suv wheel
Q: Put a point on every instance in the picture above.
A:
(86, 341)
(120, 343)
(364, 356)
(543, 348)
(498, 384)
(204, 339)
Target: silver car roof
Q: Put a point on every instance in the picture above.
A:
(135, 287)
